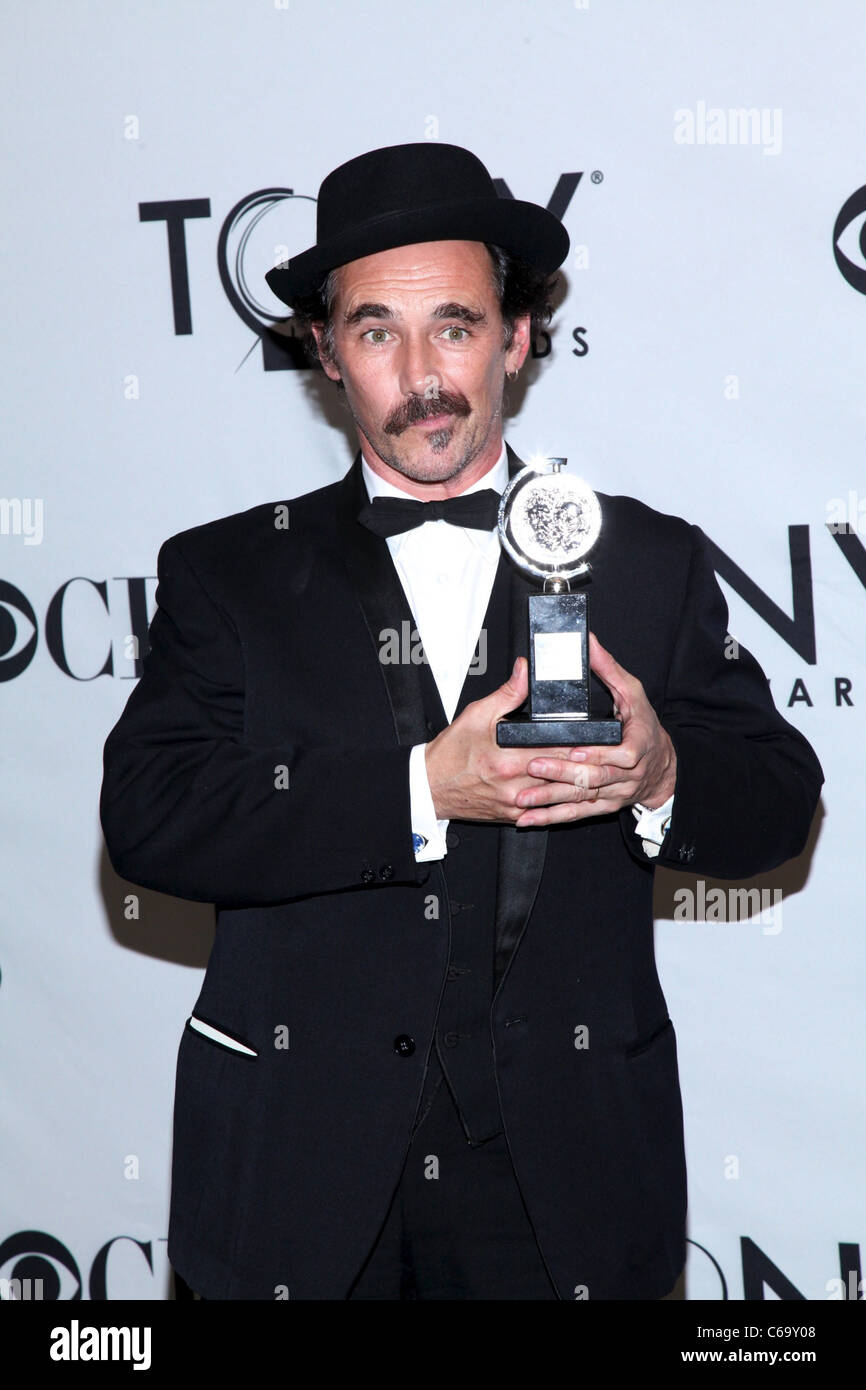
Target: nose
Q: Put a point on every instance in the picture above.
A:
(417, 367)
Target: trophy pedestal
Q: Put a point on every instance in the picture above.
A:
(522, 731)
(559, 712)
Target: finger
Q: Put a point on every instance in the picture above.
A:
(574, 811)
(625, 758)
(574, 778)
(558, 793)
(559, 755)
(514, 762)
(579, 784)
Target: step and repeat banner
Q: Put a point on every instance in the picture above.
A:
(707, 355)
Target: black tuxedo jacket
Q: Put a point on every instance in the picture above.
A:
(261, 763)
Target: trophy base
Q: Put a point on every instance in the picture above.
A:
(520, 731)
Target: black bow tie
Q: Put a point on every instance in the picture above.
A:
(388, 516)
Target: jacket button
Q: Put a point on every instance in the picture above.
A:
(404, 1045)
(452, 838)
(386, 871)
(367, 875)
(430, 725)
(451, 1039)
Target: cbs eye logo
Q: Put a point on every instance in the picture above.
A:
(849, 240)
(36, 1266)
(16, 644)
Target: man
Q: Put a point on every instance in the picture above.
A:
(431, 1057)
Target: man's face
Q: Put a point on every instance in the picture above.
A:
(418, 343)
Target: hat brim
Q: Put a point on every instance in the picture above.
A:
(524, 229)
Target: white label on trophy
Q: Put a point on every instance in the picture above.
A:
(558, 656)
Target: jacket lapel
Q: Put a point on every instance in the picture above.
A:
(384, 606)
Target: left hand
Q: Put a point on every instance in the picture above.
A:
(643, 767)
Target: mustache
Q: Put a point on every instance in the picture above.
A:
(416, 408)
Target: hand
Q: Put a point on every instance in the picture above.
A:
(472, 778)
(593, 781)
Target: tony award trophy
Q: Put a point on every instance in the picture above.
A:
(548, 523)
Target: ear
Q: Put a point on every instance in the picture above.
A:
(330, 368)
(520, 344)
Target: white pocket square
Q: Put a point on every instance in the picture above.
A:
(208, 1031)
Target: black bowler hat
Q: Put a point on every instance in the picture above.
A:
(420, 192)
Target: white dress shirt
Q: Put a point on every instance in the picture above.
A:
(447, 573)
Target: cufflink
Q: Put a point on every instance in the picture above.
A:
(418, 841)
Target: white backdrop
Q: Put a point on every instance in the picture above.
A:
(717, 373)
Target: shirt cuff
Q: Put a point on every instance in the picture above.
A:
(652, 826)
(428, 833)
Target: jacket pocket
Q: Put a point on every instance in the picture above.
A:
(641, 1044)
(225, 1041)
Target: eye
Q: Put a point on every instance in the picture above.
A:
(457, 328)
(370, 331)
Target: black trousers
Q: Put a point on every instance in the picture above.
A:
(456, 1227)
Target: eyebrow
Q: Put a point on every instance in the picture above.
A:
(367, 311)
(451, 310)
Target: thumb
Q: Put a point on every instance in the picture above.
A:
(513, 691)
(609, 671)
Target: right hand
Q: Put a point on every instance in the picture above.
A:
(470, 776)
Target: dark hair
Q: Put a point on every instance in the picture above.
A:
(520, 289)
